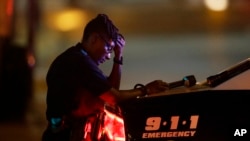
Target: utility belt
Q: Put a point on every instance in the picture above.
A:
(106, 125)
(56, 130)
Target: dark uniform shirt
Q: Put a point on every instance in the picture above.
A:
(72, 78)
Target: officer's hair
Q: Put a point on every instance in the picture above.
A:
(101, 24)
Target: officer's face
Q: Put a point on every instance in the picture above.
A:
(105, 49)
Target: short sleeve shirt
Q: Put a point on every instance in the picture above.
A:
(69, 73)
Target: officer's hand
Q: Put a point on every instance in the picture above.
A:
(156, 86)
(119, 45)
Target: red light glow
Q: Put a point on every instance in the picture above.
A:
(113, 127)
(106, 126)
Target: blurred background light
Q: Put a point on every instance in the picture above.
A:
(216, 5)
(67, 19)
(6, 12)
